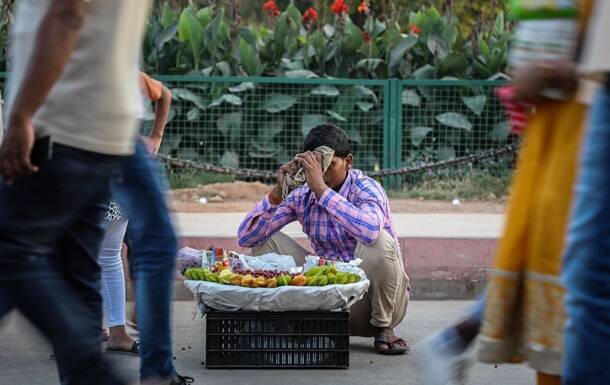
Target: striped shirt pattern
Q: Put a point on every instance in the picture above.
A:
(335, 223)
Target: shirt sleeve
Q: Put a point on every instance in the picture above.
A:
(265, 220)
(151, 88)
(363, 220)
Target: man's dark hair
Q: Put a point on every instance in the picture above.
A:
(328, 135)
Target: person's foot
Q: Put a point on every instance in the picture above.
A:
(388, 343)
(440, 364)
(120, 341)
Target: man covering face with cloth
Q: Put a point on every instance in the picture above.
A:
(346, 215)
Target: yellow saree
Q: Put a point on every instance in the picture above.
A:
(524, 315)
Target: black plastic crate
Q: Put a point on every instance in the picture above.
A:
(245, 339)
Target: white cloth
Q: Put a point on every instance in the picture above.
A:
(93, 105)
(596, 49)
(113, 277)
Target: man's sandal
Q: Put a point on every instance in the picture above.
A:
(390, 345)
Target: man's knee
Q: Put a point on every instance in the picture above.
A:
(385, 245)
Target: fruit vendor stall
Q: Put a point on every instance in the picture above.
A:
(267, 312)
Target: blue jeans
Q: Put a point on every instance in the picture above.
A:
(141, 195)
(586, 266)
(50, 234)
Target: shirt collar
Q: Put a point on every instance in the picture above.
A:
(347, 185)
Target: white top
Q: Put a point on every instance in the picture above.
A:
(94, 103)
(596, 49)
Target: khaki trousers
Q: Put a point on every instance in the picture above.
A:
(385, 303)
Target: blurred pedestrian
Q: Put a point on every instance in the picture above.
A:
(524, 313)
(113, 277)
(521, 316)
(76, 88)
(586, 271)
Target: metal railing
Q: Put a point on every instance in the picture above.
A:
(258, 123)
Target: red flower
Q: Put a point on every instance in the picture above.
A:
(363, 7)
(414, 29)
(310, 15)
(366, 37)
(339, 7)
(271, 7)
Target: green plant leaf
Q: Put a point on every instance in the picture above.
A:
(352, 39)
(248, 58)
(455, 120)
(484, 48)
(230, 125)
(300, 74)
(269, 130)
(475, 103)
(336, 116)
(437, 46)
(184, 94)
(329, 31)
(378, 28)
(230, 159)
(167, 35)
(204, 16)
(309, 121)
(365, 106)
(168, 16)
(325, 90)
(331, 51)
(369, 64)
(454, 64)
(242, 87)
(294, 13)
(418, 134)
(500, 131)
(411, 98)
(275, 102)
(191, 32)
(354, 136)
(364, 92)
(445, 153)
(249, 35)
(228, 98)
(193, 114)
(224, 68)
(499, 24)
(425, 72)
(398, 52)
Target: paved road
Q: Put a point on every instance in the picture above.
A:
(24, 357)
(488, 226)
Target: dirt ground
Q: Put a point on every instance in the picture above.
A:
(239, 197)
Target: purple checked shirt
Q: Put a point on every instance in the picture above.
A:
(335, 223)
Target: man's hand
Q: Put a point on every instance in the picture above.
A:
(153, 143)
(16, 149)
(276, 194)
(312, 164)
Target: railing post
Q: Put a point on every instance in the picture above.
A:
(392, 136)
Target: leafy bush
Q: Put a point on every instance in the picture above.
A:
(324, 40)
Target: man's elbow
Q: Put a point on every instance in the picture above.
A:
(243, 242)
(372, 235)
